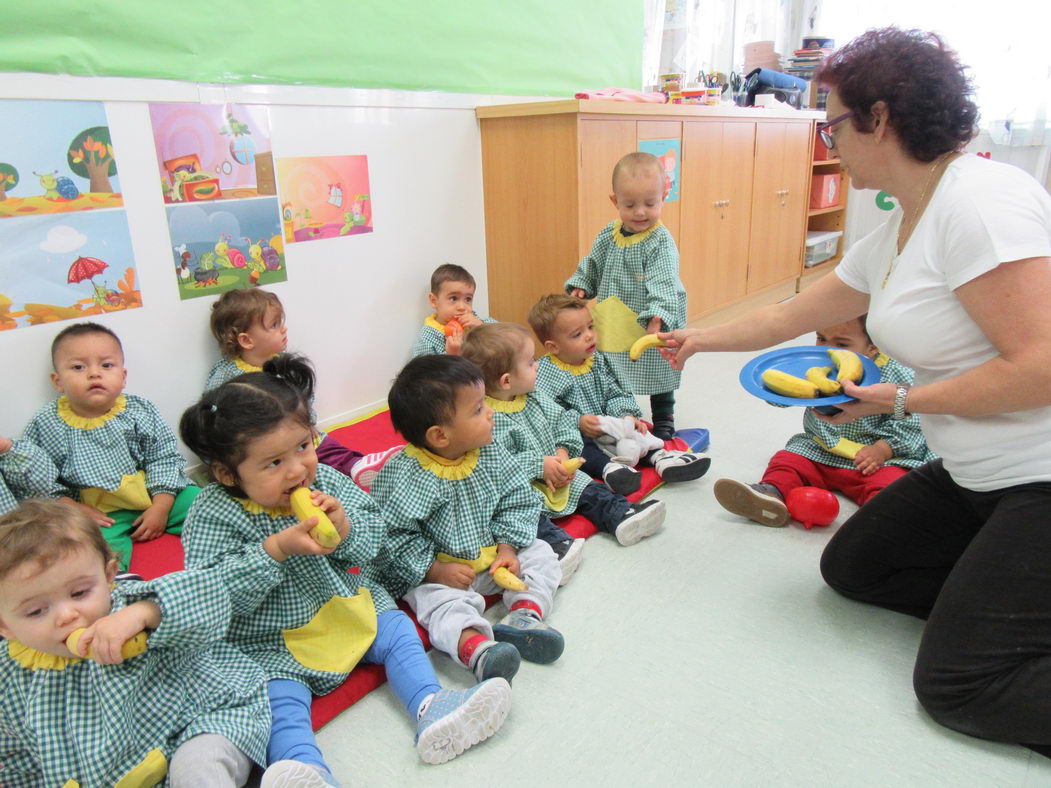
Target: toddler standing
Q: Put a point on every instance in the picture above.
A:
(191, 707)
(452, 299)
(857, 459)
(249, 327)
(635, 259)
(113, 453)
(297, 610)
(541, 436)
(458, 510)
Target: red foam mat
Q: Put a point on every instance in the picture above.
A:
(373, 433)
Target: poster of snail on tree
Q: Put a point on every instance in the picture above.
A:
(63, 228)
(216, 172)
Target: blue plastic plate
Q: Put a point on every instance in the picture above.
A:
(796, 361)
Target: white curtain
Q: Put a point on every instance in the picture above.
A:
(1004, 44)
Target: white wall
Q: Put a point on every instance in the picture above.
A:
(353, 304)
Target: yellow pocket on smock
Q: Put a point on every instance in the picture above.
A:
(337, 637)
(132, 494)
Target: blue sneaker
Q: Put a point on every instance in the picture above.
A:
(296, 774)
(495, 660)
(455, 720)
(526, 631)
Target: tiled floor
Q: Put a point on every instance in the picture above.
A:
(709, 654)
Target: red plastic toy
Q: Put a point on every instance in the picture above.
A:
(812, 506)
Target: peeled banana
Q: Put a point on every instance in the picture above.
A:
(131, 648)
(572, 465)
(503, 578)
(324, 533)
(848, 363)
(788, 385)
(642, 344)
(819, 376)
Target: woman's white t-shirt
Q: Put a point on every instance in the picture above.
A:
(982, 214)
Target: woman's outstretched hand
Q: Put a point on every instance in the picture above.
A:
(868, 400)
(681, 344)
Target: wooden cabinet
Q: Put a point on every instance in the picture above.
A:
(824, 219)
(739, 221)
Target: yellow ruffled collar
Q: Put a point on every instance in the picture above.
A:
(31, 659)
(68, 415)
(624, 241)
(244, 366)
(252, 507)
(508, 405)
(432, 322)
(577, 369)
(444, 468)
(881, 359)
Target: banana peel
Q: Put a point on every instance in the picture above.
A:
(505, 579)
(131, 648)
(324, 533)
(788, 385)
(642, 344)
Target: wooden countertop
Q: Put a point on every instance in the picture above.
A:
(604, 107)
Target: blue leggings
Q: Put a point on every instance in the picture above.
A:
(397, 647)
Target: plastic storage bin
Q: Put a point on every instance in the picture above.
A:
(821, 246)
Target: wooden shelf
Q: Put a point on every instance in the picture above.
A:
(819, 211)
(822, 162)
(829, 263)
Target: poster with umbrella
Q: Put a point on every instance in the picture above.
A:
(66, 267)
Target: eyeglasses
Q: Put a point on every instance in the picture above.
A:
(824, 133)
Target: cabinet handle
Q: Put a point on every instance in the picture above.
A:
(721, 203)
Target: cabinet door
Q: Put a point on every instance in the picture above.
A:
(664, 130)
(778, 203)
(717, 161)
(602, 143)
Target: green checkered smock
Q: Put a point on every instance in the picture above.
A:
(642, 270)
(25, 472)
(93, 723)
(427, 513)
(269, 596)
(227, 369)
(904, 436)
(134, 439)
(532, 427)
(591, 388)
(430, 341)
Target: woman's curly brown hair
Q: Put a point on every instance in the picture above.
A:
(930, 98)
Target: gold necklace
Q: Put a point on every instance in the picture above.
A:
(914, 218)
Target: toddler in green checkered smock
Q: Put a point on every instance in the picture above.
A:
(857, 459)
(635, 259)
(114, 455)
(452, 299)
(25, 472)
(298, 611)
(462, 520)
(150, 694)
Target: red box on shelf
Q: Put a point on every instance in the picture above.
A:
(821, 151)
(824, 190)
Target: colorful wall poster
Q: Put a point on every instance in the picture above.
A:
(56, 157)
(226, 245)
(669, 152)
(211, 152)
(65, 267)
(324, 197)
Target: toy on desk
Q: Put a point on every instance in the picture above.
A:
(642, 344)
(131, 648)
(812, 506)
(324, 533)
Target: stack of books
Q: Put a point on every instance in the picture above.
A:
(804, 64)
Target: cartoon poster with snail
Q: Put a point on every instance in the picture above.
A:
(63, 228)
(217, 180)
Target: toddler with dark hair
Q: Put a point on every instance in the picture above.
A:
(459, 509)
(113, 453)
(452, 299)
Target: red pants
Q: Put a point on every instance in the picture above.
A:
(788, 470)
